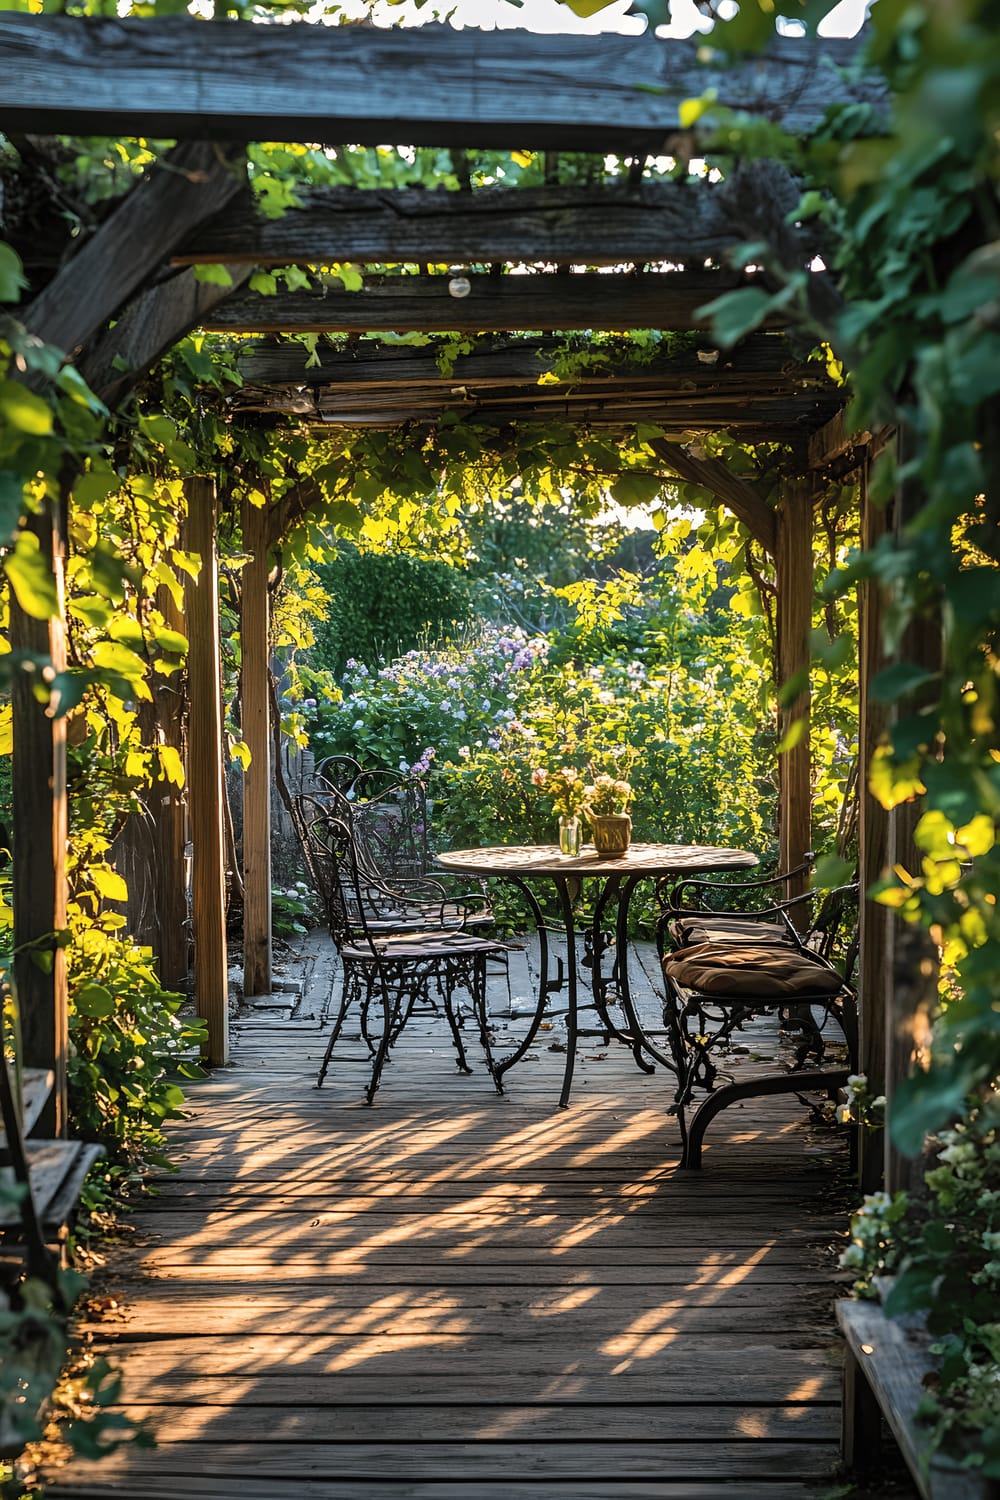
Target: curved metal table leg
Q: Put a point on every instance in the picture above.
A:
(545, 986)
(563, 886)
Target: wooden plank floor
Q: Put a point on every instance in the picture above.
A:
(453, 1294)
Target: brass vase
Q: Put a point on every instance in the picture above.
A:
(612, 833)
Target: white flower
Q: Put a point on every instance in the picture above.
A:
(464, 752)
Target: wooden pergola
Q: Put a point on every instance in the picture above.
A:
(664, 247)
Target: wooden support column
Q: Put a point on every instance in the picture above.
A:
(911, 972)
(204, 771)
(39, 838)
(255, 712)
(794, 575)
(873, 848)
(170, 822)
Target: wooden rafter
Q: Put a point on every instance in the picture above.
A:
(497, 304)
(680, 222)
(194, 180)
(758, 388)
(179, 78)
(734, 492)
(152, 324)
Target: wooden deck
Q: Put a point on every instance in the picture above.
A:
(453, 1294)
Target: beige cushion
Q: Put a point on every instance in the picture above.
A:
(751, 970)
(704, 928)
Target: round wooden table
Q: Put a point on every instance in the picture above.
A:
(619, 875)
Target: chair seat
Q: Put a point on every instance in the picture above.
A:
(697, 928)
(428, 944)
(754, 971)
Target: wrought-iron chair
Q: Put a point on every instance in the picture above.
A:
(398, 968)
(725, 968)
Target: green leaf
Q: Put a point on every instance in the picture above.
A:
(170, 641)
(109, 883)
(171, 764)
(112, 656)
(31, 578)
(11, 504)
(831, 872)
(24, 410)
(12, 278)
(94, 1000)
(736, 314)
(636, 489)
(264, 284)
(213, 275)
(899, 680)
(90, 489)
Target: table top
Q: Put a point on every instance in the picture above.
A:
(639, 859)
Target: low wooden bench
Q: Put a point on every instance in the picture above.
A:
(50, 1174)
(887, 1361)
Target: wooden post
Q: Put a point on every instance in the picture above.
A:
(170, 819)
(39, 838)
(255, 712)
(794, 574)
(204, 771)
(873, 849)
(911, 973)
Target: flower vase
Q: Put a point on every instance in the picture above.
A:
(570, 835)
(612, 833)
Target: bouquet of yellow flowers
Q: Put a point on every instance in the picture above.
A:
(606, 794)
(566, 787)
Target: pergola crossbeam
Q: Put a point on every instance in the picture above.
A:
(685, 223)
(177, 77)
(425, 304)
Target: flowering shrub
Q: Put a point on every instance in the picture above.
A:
(943, 1249)
(565, 788)
(427, 705)
(477, 721)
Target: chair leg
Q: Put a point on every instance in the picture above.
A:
(449, 1010)
(346, 996)
(479, 1002)
(389, 1005)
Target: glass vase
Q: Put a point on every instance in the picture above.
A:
(570, 835)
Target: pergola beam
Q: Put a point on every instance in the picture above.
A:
(192, 181)
(683, 223)
(181, 78)
(492, 304)
(151, 324)
(734, 492)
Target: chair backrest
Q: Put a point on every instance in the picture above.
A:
(389, 817)
(317, 830)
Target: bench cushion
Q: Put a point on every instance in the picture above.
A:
(750, 970)
(702, 927)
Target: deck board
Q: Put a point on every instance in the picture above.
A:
(453, 1293)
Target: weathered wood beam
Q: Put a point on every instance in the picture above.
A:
(150, 325)
(256, 725)
(833, 440)
(204, 770)
(193, 180)
(873, 844)
(910, 980)
(170, 821)
(794, 581)
(39, 821)
(372, 365)
(738, 496)
(682, 223)
(180, 78)
(492, 304)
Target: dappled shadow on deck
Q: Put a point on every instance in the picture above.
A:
(457, 1294)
